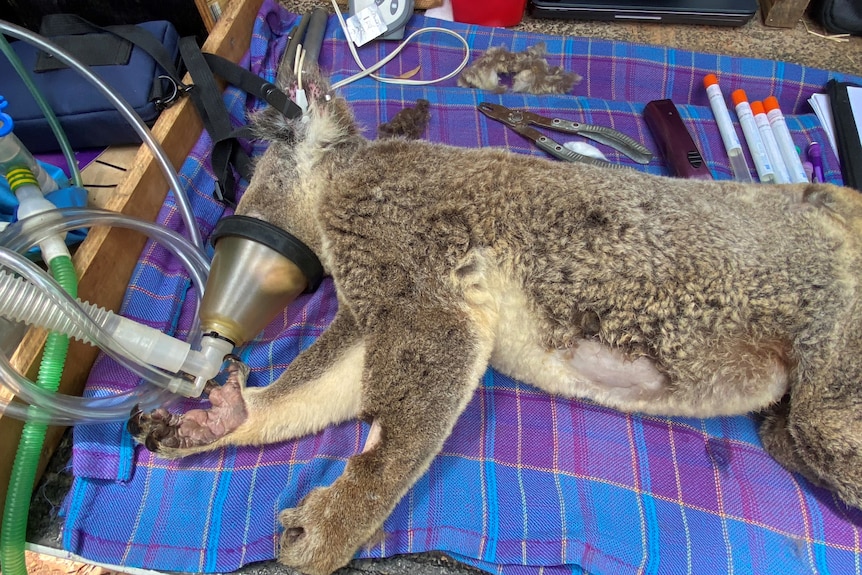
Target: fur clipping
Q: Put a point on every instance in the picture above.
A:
(409, 123)
(529, 71)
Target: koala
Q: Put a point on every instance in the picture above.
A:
(644, 293)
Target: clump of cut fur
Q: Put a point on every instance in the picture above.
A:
(528, 70)
(408, 123)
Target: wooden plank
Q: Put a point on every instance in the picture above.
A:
(106, 259)
(103, 176)
(211, 11)
(206, 15)
(782, 13)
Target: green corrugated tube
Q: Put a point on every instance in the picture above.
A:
(23, 477)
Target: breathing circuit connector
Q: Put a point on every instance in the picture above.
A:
(14, 156)
(21, 236)
(22, 301)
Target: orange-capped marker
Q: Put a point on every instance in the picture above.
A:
(771, 103)
(710, 80)
(757, 108)
(738, 96)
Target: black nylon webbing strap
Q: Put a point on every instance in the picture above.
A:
(253, 84)
(206, 96)
(71, 24)
(94, 49)
(205, 93)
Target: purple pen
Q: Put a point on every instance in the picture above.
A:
(815, 154)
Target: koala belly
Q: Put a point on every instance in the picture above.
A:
(588, 369)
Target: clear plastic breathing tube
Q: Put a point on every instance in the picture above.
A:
(68, 152)
(62, 409)
(183, 204)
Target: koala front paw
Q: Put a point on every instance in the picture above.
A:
(316, 540)
(177, 435)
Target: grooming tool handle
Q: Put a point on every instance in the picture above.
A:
(609, 137)
(674, 140)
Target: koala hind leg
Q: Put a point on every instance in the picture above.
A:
(817, 431)
(319, 388)
(421, 369)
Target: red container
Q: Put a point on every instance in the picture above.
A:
(489, 13)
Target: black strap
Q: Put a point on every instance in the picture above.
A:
(91, 49)
(253, 84)
(207, 99)
(71, 24)
(227, 154)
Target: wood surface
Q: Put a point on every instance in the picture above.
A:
(782, 13)
(211, 11)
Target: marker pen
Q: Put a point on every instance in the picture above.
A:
(725, 128)
(782, 176)
(752, 136)
(785, 141)
(815, 155)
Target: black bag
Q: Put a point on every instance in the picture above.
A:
(839, 16)
(87, 117)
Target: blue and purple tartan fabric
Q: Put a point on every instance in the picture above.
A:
(527, 483)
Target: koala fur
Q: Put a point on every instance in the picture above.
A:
(643, 293)
(527, 70)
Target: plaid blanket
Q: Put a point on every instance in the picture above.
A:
(527, 483)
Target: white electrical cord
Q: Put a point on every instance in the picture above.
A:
(400, 81)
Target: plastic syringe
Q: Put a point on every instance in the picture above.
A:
(756, 148)
(725, 128)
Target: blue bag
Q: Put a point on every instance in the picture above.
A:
(87, 117)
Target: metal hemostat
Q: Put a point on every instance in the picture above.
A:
(521, 120)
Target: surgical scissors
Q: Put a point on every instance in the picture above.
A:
(520, 120)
